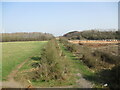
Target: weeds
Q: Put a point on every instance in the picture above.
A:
(53, 64)
(105, 64)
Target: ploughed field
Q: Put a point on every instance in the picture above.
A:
(95, 43)
(15, 53)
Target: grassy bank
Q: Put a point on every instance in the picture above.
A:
(77, 66)
(103, 61)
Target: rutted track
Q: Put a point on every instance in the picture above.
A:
(11, 83)
(13, 73)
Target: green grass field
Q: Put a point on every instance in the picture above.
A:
(14, 53)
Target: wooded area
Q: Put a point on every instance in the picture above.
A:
(92, 35)
(25, 36)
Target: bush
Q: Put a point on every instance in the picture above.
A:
(107, 57)
(89, 60)
(69, 46)
(63, 40)
(53, 64)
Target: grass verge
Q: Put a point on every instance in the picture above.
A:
(77, 66)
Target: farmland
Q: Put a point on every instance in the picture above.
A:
(60, 63)
(14, 53)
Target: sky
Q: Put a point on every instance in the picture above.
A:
(58, 18)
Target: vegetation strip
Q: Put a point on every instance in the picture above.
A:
(53, 67)
(78, 69)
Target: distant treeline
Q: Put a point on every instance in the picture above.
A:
(93, 35)
(25, 36)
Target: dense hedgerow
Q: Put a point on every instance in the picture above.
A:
(53, 63)
(92, 35)
(69, 46)
(33, 36)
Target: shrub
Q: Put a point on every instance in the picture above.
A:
(53, 64)
(107, 57)
(89, 60)
(69, 46)
(63, 40)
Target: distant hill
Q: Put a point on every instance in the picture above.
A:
(92, 35)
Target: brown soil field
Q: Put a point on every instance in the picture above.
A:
(94, 43)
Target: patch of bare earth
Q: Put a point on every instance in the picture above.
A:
(95, 43)
(83, 83)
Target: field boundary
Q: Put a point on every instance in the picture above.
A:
(80, 70)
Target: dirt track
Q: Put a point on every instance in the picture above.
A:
(11, 83)
(83, 83)
(13, 73)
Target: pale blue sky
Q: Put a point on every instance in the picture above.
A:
(59, 17)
